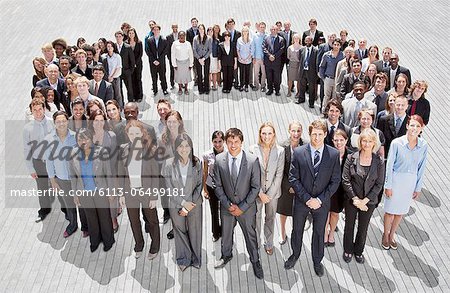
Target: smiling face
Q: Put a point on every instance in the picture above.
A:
(112, 112)
(78, 111)
(400, 106)
(61, 123)
(38, 112)
(366, 120)
(414, 128)
(84, 142)
(173, 124)
(184, 150)
(367, 143)
(400, 83)
(134, 134)
(317, 137)
(339, 142)
(50, 96)
(99, 122)
(218, 144)
(130, 112)
(295, 132)
(234, 145)
(267, 135)
(333, 114)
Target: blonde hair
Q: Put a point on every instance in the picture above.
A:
(267, 124)
(371, 134)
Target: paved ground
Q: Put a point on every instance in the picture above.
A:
(36, 258)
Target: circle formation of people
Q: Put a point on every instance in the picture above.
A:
(368, 148)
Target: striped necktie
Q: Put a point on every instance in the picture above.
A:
(316, 163)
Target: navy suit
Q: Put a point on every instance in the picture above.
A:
(157, 54)
(273, 68)
(307, 186)
(128, 65)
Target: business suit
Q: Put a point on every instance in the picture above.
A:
(137, 73)
(96, 208)
(243, 194)
(288, 40)
(386, 124)
(170, 39)
(149, 179)
(128, 65)
(361, 53)
(317, 36)
(158, 53)
(227, 62)
(348, 81)
(400, 69)
(350, 117)
(308, 74)
(355, 183)
(234, 36)
(380, 65)
(273, 68)
(307, 186)
(104, 92)
(330, 134)
(60, 97)
(271, 177)
(187, 230)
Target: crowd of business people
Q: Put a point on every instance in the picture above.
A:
(367, 148)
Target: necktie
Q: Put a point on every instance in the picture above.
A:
(385, 65)
(306, 66)
(316, 163)
(413, 108)
(96, 89)
(331, 132)
(398, 125)
(234, 171)
(273, 41)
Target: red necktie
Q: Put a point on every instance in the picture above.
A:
(96, 89)
(413, 107)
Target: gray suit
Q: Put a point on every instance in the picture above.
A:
(187, 230)
(350, 117)
(271, 177)
(243, 195)
(104, 92)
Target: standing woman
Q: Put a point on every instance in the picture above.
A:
(183, 175)
(340, 139)
(418, 104)
(202, 47)
(244, 52)
(401, 85)
(136, 46)
(372, 56)
(138, 174)
(404, 175)
(91, 172)
(215, 70)
(209, 158)
(271, 158)
(293, 55)
(182, 58)
(369, 77)
(362, 180)
(227, 61)
(39, 65)
(286, 200)
(113, 113)
(388, 106)
(102, 45)
(112, 62)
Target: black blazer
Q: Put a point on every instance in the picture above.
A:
(157, 54)
(60, 90)
(285, 185)
(190, 35)
(128, 62)
(105, 90)
(138, 51)
(277, 50)
(170, 39)
(285, 35)
(355, 185)
(301, 174)
(237, 35)
(317, 36)
(400, 69)
(312, 64)
(342, 126)
(422, 108)
(363, 54)
(386, 124)
(227, 59)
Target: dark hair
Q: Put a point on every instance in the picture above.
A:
(79, 40)
(333, 102)
(90, 104)
(116, 104)
(381, 76)
(59, 113)
(218, 134)
(205, 36)
(234, 132)
(94, 114)
(194, 18)
(226, 34)
(44, 90)
(84, 132)
(65, 57)
(37, 102)
(180, 138)
(70, 49)
(113, 45)
(136, 38)
(406, 90)
(118, 33)
(98, 67)
(359, 82)
(230, 20)
(86, 47)
(166, 135)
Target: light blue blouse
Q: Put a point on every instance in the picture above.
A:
(402, 159)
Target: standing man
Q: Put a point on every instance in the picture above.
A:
(258, 58)
(156, 50)
(128, 64)
(190, 34)
(385, 62)
(34, 133)
(170, 39)
(355, 104)
(312, 32)
(100, 87)
(362, 51)
(82, 67)
(56, 83)
(315, 175)
(377, 94)
(235, 35)
(393, 70)
(287, 34)
(350, 78)
(308, 73)
(273, 48)
(327, 71)
(237, 178)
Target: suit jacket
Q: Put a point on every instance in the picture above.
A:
(312, 64)
(247, 186)
(301, 174)
(379, 65)
(227, 59)
(138, 52)
(271, 185)
(354, 183)
(190, 35)
(285, 36)
(423, 108)
(386, 124)
(103, 176)
(348, 81)
(170, 39)
(316, 37)
(285, 185)
(277, 50)
(192, 190)
(105, 90)
(150, 173)
(400, 69)
(342, 126)
(349, 106)
(236, 36)
(157, 54)
(60, 89)
(128, 62)
(363, 54)
(321, 50)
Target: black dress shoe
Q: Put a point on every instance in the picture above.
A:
(170, 235)
(318, 269)
(290, 263)
(257, 270)
(165, 92)
(347, 257)
(277, 94)
(268, 93)
(246, 89)
(207, 92)
(241, 89)
(311, 106)
(94, 247)
(139, 100)
(223, 261)
(360, 258)
(107, 247)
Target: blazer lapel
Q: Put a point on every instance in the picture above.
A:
(392, 124)
(227, 170)
(241, 170)
(307, 156)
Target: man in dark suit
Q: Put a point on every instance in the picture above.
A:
(54, 81)
(273, 49)
(350, 78)
(235, 35)
(157, 49)
(394, 70)
(287, 35)
(128, 64)
(237, 177)
(172, 37)
(362, 51)
(100, 87)
(333, 112)
(190, 34)
(313, 32)
(315, 175)
(307, 73)
(384, 63)
(394, 125)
